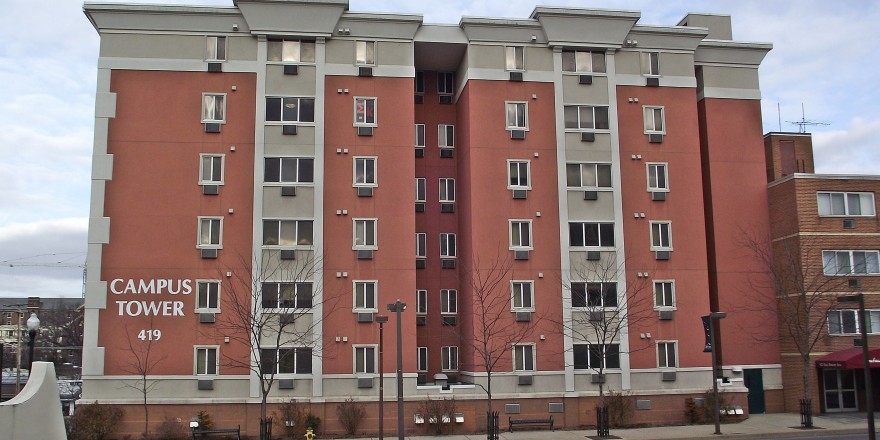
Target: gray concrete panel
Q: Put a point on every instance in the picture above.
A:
(591, 94)
(301, 84)
(277, 206)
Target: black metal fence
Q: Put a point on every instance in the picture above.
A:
(602, 422)
(492, 425)
(806, 413)
(265, 429)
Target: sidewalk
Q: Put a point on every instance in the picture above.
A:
(756, 426)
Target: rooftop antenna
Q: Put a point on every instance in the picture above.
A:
(803, 123)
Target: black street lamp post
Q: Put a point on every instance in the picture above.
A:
(33, 325)
(869, 389)
(714, 316)
(381, 319)
(397, 308)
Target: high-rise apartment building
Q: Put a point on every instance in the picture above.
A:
(556, 199)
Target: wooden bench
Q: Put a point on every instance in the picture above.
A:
(197, 434)
(530, 422)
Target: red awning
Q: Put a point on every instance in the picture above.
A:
(849, 359)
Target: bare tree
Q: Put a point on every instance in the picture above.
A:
(604, 305)
(61, 335)
(274, 310)
(803, 294)
(141, 360)
(495, 331)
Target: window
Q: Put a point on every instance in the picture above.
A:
(667, 354)
(514, 58)
(364, 112)
(664, 294)
(447, 245)
(657, 177)
(445, 83)
(523, 358)
(449, 358)
(421, 302)
(851, 262)
(287, 232)
(588, 175)
(651, 63)
(448, 301)
(364, 234)
(207, 296)
(364, 171)
(206, 360)
(210, 232)
(289, 169)
(594, 294)
(520, 234)
(596, 356)
(447, 190)
(586, 117)
(291, 51)
(290, 109)
(446, 136)
(661, 236)
(846, 203)
(211, 172)
(421, 245)
(420, 83)
(365, 296)
(517, 115)
(518, 174)
(522, 295)
(654, 122)
(364, 359)
(213, 107)
(583, 61)
(420, 136)
(286, 360)
(422, 362)
(365, 53)
(846, 322)
(586, 234)
(287, 295)
(216, 48)
(421, 189)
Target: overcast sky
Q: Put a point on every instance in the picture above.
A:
(824, 58)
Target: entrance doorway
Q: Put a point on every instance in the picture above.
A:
(754, 381)
(840, 390)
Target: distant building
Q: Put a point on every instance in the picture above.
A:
(399, 159)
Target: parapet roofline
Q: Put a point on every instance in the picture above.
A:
(585, 12)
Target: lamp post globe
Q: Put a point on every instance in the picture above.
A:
(33, 325)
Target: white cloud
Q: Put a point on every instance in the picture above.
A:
(40, 258)
(852, 150)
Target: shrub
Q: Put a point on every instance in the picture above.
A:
(292, 419)
(205, 422)
(171, 429)
(94, 421)
(700, 410)
(621, 408)
(350, 414)
(439, 414)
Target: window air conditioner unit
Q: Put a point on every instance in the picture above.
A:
(446, 153)
(666, 315)
(420, 207)
(446, 99)
(421, 320)
(212, 127)
(854, 283)
(365, 71)
(421, 379)
(652, 82)
(516, 76)
(420, 152)
(365, 191)
(449, 320)
(594, 255)
(210, 190)
(365, 317)
(597, 315)
(365, 131)
(291, 69)
(447, 264)
(421, 263)
(288, 191)
(523, 316)
(419, 99)
(287, 318)
(849, 223)
(520, 255)
(209, 253)
(215, 67)
(588, 136)
(668, 376)
(206, 318)
(517, 134)
(662, 255)
(285, 384)
(447, 207)
(524, 380)
(655, 138)
(597, 378)
(585, 79)
(288, 254)
(658, 196)
(365, 382)
(206, 384)
(365, 254)
(288, 129)
(520, 194)
(591, 195)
